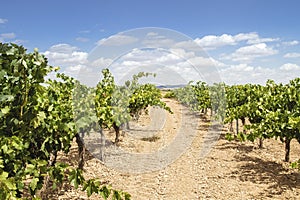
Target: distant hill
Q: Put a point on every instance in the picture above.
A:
(170, 86)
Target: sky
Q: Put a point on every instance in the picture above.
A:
(235, 41)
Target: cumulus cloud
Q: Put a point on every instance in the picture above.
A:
(182, 53)
(170, 57)
(245, 73)
(211, 42)
(261, 40)
(190, 45)
(250, 48)
(180, 61)
(172, 66)
(292, 55)
(152, 34)
(76, 63)
(290, 67)
(68, 57)
(242, 68)
(245, 36)
(155, 40)
(248, 53)
(205, 62)
(63, 48)
(101, 62)
(145, 55)
(117, 40)
(3, 21)
(291, 43)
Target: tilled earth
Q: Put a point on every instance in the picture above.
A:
(209, 167)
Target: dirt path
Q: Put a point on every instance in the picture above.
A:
(230, 170)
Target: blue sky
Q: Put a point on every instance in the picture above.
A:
(248, 40)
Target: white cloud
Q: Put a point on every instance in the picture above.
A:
(189, 44)
(102, 62)
(181, 52)
(76, 63)
(144, 55)
(82, 39)
(242, 68)
(158, 40)
(261, 40)
(168, 59)
(65, 55)
(248, 53)
(291, 43)
(155, 40)
(152, 34)
(244, 73)
(256, 47)
(169, 67)
(292, 55)
(131, 63)
(205, 62)
(246, 36)
(6, 37)
(211, 42)
(63, 48)
(3, 21)
(181, 61)
(117, 40)
(290, 67)
(75, 68)
(168, 64)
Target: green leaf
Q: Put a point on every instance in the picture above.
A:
(116, 195)
(4, 148)
(229, 136)
(5, 110)
(33, 184)
(105, 192)
(3, 175)
(5, 98)
(127, 196)
(41, 116)
(50, 108)
(10, 184)
(24, 63)
(89, 190)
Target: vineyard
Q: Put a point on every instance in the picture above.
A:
(273, 111)
(43, 156)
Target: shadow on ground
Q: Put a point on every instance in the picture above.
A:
(276, 174)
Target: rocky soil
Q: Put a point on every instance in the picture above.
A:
(185, 156)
